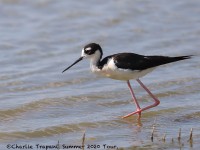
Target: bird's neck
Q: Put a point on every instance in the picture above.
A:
(94, 63)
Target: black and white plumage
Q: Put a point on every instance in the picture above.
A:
(125, 66)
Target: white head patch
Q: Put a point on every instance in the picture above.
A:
(88, 49)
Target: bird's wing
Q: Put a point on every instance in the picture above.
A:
(139, 62)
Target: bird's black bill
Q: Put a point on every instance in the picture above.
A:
(73, 64)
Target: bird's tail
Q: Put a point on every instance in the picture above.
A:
(161, 60)
(167, 60)
(182, 57)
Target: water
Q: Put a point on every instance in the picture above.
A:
(40, 105)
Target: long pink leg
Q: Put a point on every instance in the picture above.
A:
(134, 98)
(156, 101)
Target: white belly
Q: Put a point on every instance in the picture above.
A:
(111, 71)
(124, 74)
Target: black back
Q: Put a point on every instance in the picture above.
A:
(139, 62)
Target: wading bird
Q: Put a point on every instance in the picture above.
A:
(125, 66)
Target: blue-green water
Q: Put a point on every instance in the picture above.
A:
(40, 105)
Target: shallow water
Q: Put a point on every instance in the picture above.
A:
(40, 105)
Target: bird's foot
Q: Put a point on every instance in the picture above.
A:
(139, 111)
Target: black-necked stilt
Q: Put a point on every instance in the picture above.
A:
(125, 66)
